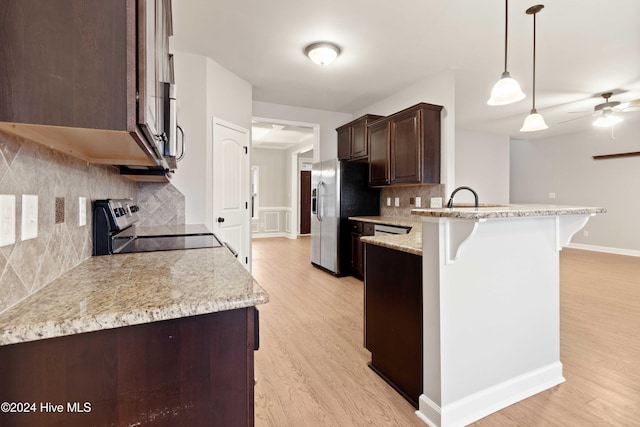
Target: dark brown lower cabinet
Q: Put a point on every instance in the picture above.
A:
(359, 229)
(393, 318)
(193, 371)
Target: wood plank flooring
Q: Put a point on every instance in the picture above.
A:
(312, 369)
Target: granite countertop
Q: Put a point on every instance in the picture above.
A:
(121, 290)
(506, 211)
(410, 243)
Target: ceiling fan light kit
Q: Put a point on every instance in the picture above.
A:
(608, 118)
(322, 53)
(506, 90)
(534, 121)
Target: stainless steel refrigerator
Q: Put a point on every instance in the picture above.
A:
(339, 190)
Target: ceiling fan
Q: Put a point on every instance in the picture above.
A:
(609, 113)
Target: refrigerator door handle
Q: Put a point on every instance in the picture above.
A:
(319, 202)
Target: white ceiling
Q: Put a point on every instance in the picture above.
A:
(280, 137)
(584, 48)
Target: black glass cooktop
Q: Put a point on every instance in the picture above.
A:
(165, 243)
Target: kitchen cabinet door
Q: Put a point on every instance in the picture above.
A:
(405, 148)
(379, 153)
(393, 318)
(412, 151)
(353, 140)
(84, 80)
(344, 143)
(359, 146)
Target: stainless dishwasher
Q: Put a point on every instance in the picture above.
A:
(389, 230)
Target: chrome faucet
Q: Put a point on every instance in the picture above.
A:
(475, 195)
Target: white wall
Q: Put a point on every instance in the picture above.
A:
(272, 184)
(564, 165)
(482, 163)
(205, 90)
(436, 89)
(191, 77)
(328, 121)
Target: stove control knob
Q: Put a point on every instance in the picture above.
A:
(220, 219)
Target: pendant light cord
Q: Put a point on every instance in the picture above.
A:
(506, 31)
(534, 61)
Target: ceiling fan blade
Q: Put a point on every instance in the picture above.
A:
(630, 106)
(575, 118)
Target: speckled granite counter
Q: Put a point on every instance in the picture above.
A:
(122, 290)
(506, 211)
(411, 242)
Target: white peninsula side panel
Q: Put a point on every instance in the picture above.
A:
(491, 309)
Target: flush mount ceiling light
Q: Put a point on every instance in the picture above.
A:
(322, 53)
(506, 90)
(534, 121)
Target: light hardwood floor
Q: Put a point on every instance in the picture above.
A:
(312, 369)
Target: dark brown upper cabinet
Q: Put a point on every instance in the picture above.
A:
(404, 148)
(85, 77)
(353, 139)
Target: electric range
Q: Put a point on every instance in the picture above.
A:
(115, 232)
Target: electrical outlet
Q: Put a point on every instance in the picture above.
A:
(388, 201)
(397, 202)
(29, 217)
(552, 195)
(7, 219)
(585, 233)
(412, 200)
(82, 211)
(436, 202)
(418, 202)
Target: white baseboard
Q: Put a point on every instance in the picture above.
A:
(606, 249)
(264, 235)
(478, 405)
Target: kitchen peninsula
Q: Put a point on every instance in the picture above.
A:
(491, 316)
(165, 337)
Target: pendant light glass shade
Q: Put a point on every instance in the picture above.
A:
(533, 122)
(506, 90)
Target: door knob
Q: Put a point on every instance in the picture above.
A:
(220, 219)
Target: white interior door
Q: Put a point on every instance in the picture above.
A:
(231, 171)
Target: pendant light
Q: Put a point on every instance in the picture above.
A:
(534, 121)
(506, 90)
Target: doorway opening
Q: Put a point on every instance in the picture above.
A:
(281, 151)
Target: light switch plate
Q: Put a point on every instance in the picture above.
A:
(29, 217)
(82, 211)
(418, 202)
(7, 219)
(397, 202)
(436, 202)
(388, 201)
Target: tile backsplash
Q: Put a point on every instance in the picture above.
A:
(405, 194)
(58, 180)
